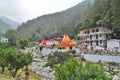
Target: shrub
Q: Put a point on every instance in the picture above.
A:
(71, 51)
(4, 45)
(23, 43)
(57, 58)
(72, 70)
(40, 47)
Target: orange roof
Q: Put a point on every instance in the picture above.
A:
(66, 41)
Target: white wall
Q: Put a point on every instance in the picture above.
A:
(113, 44)
(4, 39)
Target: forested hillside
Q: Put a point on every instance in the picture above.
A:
(89, 13)
(56, 24)
(104, 13)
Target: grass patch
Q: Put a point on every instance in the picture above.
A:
(8, 76)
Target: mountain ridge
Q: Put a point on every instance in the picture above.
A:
(4, 27)
(55, 24)
(11, 22)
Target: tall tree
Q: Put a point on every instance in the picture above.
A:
(23, 42)
(3, 59)
(17, 60)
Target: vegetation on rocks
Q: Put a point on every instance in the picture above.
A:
(74, 70)
(57, 58)
(23, 43)
(68, 68)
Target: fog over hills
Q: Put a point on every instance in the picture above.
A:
(11, 22)
(4, 27)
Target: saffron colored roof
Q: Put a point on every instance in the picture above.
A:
(66, 42)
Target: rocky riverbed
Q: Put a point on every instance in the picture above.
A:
(46, 73)
(37, 66)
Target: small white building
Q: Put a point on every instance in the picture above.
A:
(113, 44)
(3, 39)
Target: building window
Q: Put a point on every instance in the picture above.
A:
(107, 36)
(96, 36)
(100, 35)
(93, 31)
(85, 32)
(91, 43)
(97, 30)
(96, 43)
(90, 37)
(88, 42)
(100, 42)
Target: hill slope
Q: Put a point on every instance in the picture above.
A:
(12, 23)
(55, 24)
(4, 27)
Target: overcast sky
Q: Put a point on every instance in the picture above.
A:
(23, 10)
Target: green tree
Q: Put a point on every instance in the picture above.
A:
(17, 60)
(12, 35)
(4, 45)
(58, 58)
(3, 61)
(23, 43)
(115, 7)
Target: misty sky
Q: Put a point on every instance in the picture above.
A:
(23, 10)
